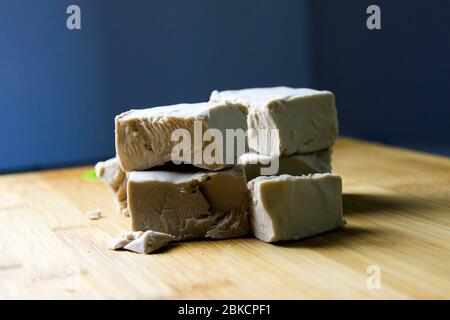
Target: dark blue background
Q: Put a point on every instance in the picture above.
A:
(60, 89)
(393, 84)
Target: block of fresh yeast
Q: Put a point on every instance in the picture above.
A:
(294, 207)
(190, 204)
(284, 121)
(109, 171)
(144, 137)
(295, 165)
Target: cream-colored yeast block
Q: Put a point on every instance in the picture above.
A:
(143, 137)
(304, 120)
(109, 171)
(294, 207)
(190, 204)
(295, 165)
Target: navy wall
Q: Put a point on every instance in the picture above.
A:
(60, 89)
(392, 85)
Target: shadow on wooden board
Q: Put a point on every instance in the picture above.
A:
(367, 208)
(365, 204)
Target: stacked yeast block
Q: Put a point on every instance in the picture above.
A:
(144, 137)
(304, 120)
(294, 128)
(299, 128)
(180, 201)
(187, 201)
(190, 204)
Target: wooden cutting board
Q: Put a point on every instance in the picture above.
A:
(396, 203)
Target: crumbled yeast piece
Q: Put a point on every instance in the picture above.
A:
(123, 239)
(109, 171)
(140, 242)
(94, 214)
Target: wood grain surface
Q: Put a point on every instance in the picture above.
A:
(396, 203)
